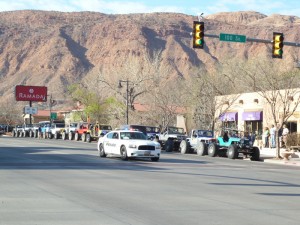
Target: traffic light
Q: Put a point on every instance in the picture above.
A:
(277, 45)
(198, 34)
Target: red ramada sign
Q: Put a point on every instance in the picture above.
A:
(31, 93)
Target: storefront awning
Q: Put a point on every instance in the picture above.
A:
(250, 116)
(229, 116)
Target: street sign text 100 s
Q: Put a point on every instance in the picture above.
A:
(232, 37)
(31, 93)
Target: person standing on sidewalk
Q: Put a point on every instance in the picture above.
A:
(266, 135)
(273, 136)
(40, 132)
(285, 132)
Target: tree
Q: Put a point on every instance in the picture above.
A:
(10, 113)
(144, 75)
(95, 107)
(201, 93)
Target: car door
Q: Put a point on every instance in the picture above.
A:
(107, 141)
(115, 143)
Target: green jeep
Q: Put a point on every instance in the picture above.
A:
(232, 147)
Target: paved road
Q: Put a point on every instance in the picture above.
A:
(65, 183)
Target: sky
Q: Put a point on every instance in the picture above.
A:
(189, 7)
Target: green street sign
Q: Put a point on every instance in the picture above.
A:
(232, 37)
(53, 116)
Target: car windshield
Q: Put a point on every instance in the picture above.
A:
(133, 135)
(175, 130)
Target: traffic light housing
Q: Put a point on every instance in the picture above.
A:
(277, 45)
(198, 34)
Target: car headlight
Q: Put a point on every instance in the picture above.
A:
(132, 146)
(157, 147)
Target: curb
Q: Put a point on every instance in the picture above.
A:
(282, 162)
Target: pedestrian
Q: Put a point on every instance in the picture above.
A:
(40, 132)
(266, 135)
(279, 135)
(252, 137)
(225, 136)
(273, 136)
(285, 132)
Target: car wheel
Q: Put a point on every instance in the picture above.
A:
(212, 149)
(255, 155)
(83, 137)
(76, 137)
(63, 136)
(101, 151)
(124, 153)
(201, 148)
(71, 136)
(88, 138)
(183, 147)
(154, 159)
(232, 152)
(169, 145)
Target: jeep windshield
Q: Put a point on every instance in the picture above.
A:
(175, 130)
(205, 133)
(153, 130)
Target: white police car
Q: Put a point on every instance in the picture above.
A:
(128, 144)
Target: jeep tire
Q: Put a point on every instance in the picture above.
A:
(212, 149)
(184, 147)
(169, 145)
(255, 155)
(201, 148)
(232, 152)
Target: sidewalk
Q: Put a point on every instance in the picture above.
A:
(268, 155)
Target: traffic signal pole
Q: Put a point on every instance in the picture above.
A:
(277, 42)
(257, 40)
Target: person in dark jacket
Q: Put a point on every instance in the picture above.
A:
(225, 136)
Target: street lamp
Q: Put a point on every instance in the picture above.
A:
(120, 86)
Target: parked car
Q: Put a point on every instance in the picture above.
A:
(128, 144)
(197, 141)
(171, 138)
(150, 131)
(56, 130)
(69, 131)
(88, 132)
(232, 146)
(2, 131)
(17, 130)
(33, 132)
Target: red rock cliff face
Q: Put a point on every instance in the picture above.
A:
(56, 49)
